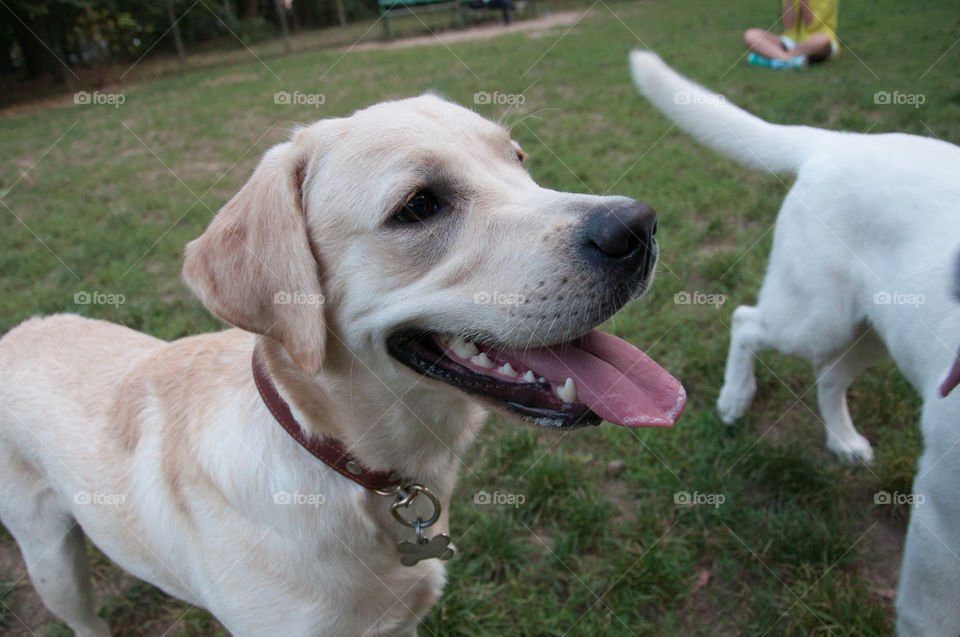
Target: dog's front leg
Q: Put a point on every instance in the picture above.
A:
(739, 381)
(55, 553)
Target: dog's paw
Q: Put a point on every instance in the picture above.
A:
(732, 403)
(856, 449)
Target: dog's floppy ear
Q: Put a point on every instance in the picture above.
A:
(253, 266)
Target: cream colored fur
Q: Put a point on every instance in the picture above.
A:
(164, 455)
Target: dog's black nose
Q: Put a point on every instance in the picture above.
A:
(622, 234)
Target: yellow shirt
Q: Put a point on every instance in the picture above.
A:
(824, 20)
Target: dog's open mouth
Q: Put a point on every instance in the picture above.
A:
(597, 376)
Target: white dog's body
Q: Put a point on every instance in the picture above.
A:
(862, 258)
(359, 249)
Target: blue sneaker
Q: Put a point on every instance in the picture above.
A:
(797, 62)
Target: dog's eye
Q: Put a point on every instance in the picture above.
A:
(418, 208)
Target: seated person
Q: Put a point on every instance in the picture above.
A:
(810, 36)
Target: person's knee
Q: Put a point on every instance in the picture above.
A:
(751, 36)
(819, 46)
(820, 40)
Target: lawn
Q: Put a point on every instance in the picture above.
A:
(99, 200)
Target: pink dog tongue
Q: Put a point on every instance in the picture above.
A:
(614, 379)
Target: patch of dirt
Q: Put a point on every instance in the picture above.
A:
(623, 501)
(700, 610)
(883, 550)
(195, 168)
(231, 78)
(56, 101)
(483, 32)
(708, 250)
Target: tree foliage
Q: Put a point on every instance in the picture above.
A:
(52, 37)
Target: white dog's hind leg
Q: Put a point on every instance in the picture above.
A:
(739, 382)
(834, 375)
(52, 545)
(928, 602)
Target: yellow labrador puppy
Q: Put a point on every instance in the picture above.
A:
(388, 271)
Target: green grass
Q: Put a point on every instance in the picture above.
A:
(111, 205)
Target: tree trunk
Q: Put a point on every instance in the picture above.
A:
(295, 19)
(247, 9)
(181, 54)
(285, 32)
(36, 49)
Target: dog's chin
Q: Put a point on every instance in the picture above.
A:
(491, 376)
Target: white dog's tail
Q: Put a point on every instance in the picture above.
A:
(719, 124)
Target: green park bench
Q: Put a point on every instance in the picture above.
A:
(389, 8)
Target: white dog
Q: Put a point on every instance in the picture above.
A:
(388, 270)
(861, 265)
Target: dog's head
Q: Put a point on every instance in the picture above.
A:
(411, 234)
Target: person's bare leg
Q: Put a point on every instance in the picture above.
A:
(768, 44)
(815, 48)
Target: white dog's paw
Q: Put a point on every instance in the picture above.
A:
(855, 449)
(733, 403)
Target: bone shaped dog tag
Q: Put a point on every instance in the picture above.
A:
(436, 547)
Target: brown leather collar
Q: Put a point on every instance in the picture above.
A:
(330, 450)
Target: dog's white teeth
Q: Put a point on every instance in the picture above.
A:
(508, 370)
(568, 393)
(482, 360)
(542, 379)
(462, 347)
(529, 377)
